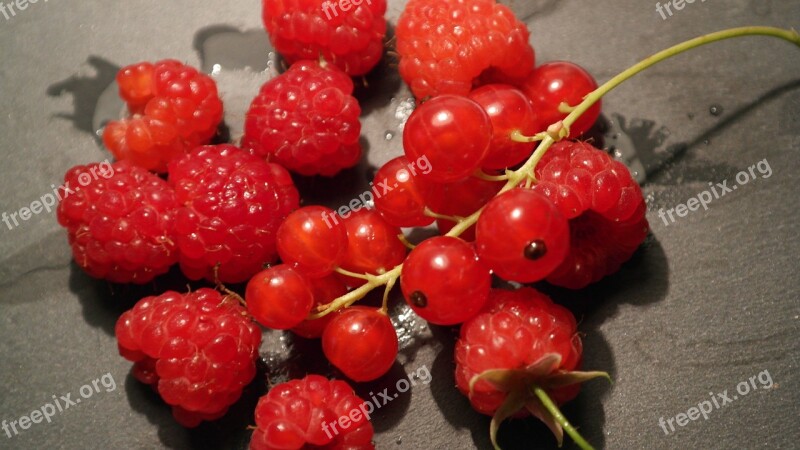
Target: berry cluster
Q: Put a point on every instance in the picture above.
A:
(564, 212)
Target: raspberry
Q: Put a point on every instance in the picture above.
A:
(306, 120)
(307, 411)
(120, 221)
(231, 204)
(173, 107)
(519, 343)
(604, 205)
(446, 47)
(351, 39)
(198, 350)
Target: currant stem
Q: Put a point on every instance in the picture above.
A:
(405, 241)
(356, 294)
(552, 408)
(430, 213)
(348, 273)
(485, 176)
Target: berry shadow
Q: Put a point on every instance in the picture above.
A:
(103, 302)
(376, 89)
(228, 432)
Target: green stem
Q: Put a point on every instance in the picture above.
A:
(552, 408)
(560, 130)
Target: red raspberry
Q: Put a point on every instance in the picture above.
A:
(446, 47)
(307, 411)
(521, 339)
(173, 107)
(306, 120)
(604, 205)
(231, 206)
(351, 38)
(120, 220)
(198, 350)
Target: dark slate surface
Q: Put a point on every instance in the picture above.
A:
(708, 302)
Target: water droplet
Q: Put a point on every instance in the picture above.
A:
(715, 110)
(617, 154)
(399, 440)
(389, 135)
(215, 70)
(706, 141)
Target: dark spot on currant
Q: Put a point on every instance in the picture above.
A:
(535, 249)
(418, 299)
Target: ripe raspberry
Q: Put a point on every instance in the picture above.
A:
(198, 350)
(446, 47)
(306, 120)
(173, 107)
(307, 411)
(120, 220)
(604, 205)
(520, 340)
(231, 206)
(351, 38)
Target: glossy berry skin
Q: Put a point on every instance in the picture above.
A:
(306, 120)
(301, 414)
(120, 220)
(232, 205)
(310, 243)
(522, 236)
(279, 297)
(373, 245)
(561, 81)
(361, 342)
(445, 47)
(604, 206)
(514, 330)
(198, 350)
(349, 36)
(444, 282)
(403, 205)
(174, 108)
(324, 290)
(459, 199)
(509, 110)
(453, 133)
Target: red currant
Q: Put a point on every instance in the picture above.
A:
(444, 282)
(509, 110)
(452, 132)
(561, 81)
(522, 236)
(373, 245)
(403, 206)
(361, 342)
(460, 199)
(279, 297)
(324, 290)
(311, 242)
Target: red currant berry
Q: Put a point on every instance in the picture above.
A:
(311, 242)
(444, 282)
(403, 205)
(522, 236)
(453, 133)
(361, 342)
(373, 245)
(509, 110)
(279, 297)
(561, 81)
(324, 290)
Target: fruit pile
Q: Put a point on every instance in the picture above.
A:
(506, 208)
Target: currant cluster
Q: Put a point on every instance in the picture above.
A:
(510, 195)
